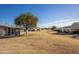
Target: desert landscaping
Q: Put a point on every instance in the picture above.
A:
(39, 29)
(44, 42)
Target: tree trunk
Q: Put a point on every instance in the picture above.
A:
(26, 32)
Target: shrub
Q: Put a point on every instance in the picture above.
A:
(76, 32)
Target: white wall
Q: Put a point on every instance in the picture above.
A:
(2, 32)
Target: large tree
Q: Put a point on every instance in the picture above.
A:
(26, 20)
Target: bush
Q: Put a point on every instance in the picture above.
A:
(53, 28)
(76, 32)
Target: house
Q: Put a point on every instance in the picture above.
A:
(33, 29)
(70, 29)
(66, 29)
(6, 30)
(75, 26)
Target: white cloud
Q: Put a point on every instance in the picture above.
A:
(60, 23)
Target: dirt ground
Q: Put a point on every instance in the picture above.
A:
(40, 42)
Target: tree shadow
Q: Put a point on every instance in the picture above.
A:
(5, 37)
(60, 33)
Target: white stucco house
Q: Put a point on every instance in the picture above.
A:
(6, 30)
(69, 29)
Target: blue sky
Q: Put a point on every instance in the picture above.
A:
(48, 14)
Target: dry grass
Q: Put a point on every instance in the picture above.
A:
(40, 42)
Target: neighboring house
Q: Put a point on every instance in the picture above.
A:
(66, 29)
(75, 26)
(9, 31)
(70, 29)
(33, 29)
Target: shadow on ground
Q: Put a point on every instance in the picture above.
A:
(4, 37)
(58, 33)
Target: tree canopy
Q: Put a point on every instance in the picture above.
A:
(26, 20)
